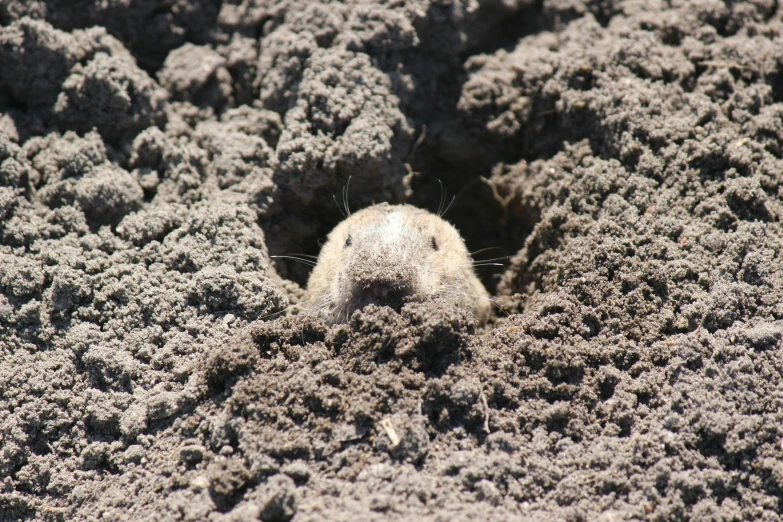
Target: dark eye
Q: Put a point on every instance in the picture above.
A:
(433, 243)
(348, 242)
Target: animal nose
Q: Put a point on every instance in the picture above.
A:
(380, 290)
(385, 293)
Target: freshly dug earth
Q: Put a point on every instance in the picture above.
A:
(627, 154)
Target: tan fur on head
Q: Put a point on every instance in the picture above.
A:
(390, 255)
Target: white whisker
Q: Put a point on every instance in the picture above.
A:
(345, 196)
(442, 198)
(492, 259)
(457, 293)
(484, 250)
(449, 206)
(302, 304)
(301, 260)
(339, 207)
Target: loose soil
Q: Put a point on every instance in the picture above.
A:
(627, 155)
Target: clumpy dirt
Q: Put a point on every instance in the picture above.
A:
(626, 154)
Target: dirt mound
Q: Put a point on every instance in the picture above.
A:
(628, 156)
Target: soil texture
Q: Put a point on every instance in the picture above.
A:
(625, 156)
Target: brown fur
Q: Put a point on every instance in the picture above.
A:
(396, 254)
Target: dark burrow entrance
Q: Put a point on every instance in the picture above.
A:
(491, 228)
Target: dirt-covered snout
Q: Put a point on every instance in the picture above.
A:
(383, 269)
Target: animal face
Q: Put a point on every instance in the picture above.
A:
(389, 255)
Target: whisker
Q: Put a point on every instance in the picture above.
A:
(324, 300)
(321, 301)
(495, 304)
(339, 207)
(458, 293)
(333, 310)
(492, 259)
(484, 250)
(449, 206)
(442, 197)
(275, 314)
(297, 305)
(345, 196)
(488, 264)
(301, 260)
